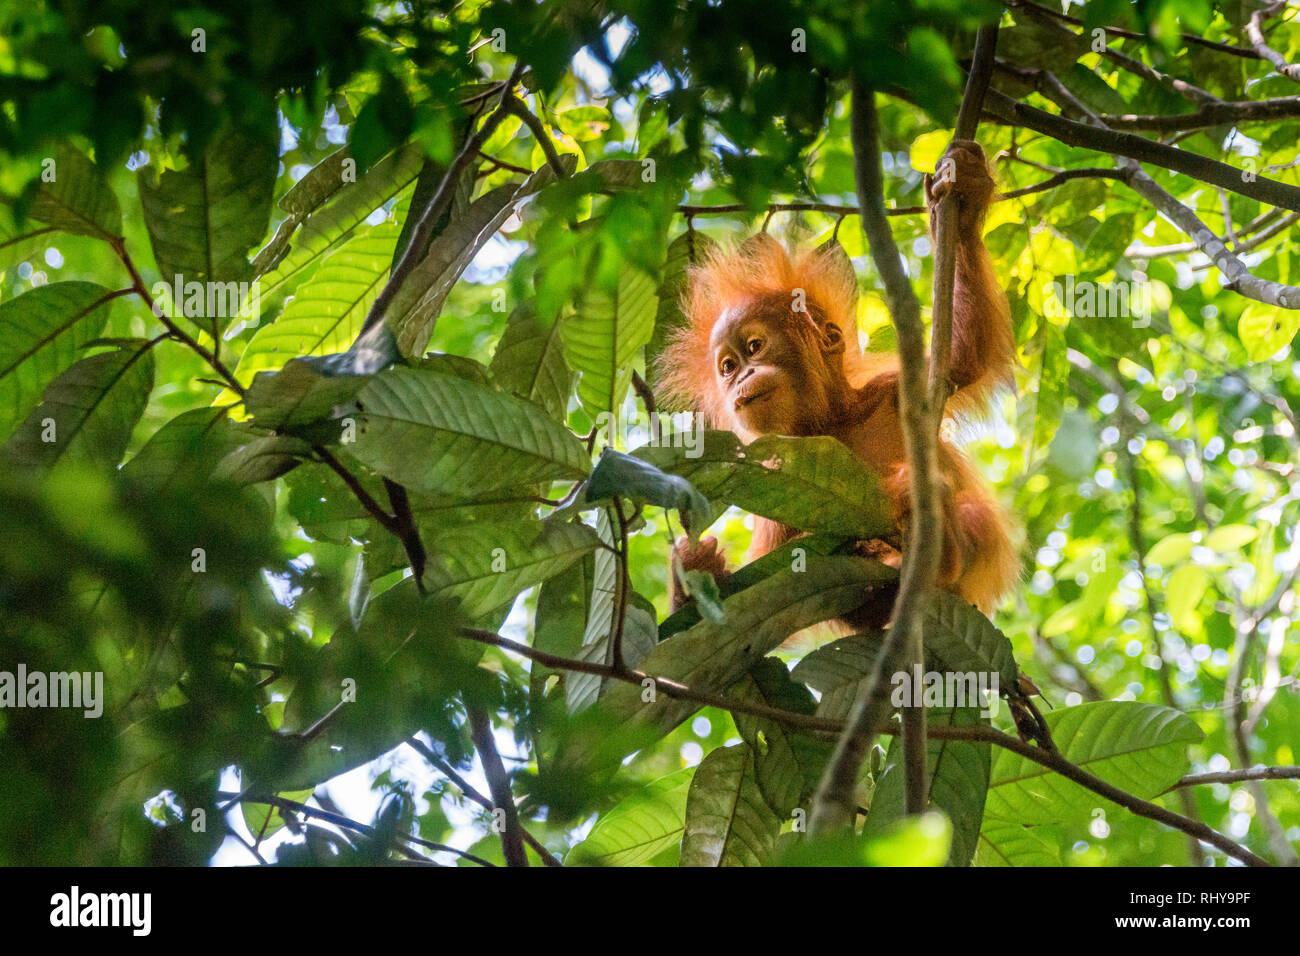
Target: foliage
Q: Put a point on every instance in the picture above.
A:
(296, 542)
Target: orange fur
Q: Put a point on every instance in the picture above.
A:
(979, 561)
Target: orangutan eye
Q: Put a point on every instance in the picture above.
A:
(752, 346)
(727, 366)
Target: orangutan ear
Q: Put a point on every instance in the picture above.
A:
(832, 339)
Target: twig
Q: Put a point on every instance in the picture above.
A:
(466, 788)
(1218, 113)
(1139, 148)
(515, 105)
(1237, 776)
(137, 285)
(1239, 51)
(347, 823)
(1255, 33)
(438, 204)
(512, 842)
(834, 801)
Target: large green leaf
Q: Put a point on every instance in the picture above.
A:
(965, 640)
(86, 414)
(957, 773)
(727, 822)
(813, 484)
(439, 433)
(690, 247)
(78, 199)
(714, 656)
(1008, 843)
(484, 566)
(841, 670)
(604, 335)
(414, 309)
(787, 764)
(529, 362)
(326, 312)
(1140, 748)
(638, 828)
(334, 224)
(204, 219)
(43, 329)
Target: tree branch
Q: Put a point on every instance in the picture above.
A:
(834, 801)
(1238, 776)
(438, 204)
(512, 842)
(466, 788)
(1136, 147)
(1255, 33)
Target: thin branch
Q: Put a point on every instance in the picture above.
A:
(1139, 148)
(1050, 759)
(347, 823)
(834, 801)
(515, 106)
(624, 589)
(1054, 761)
(1238, 51)
(448, 771)
(438, 204)
(1218, 113)
(137, 285)
(386, 521)
(1237, 776)
(512, 841)
(1255, 33)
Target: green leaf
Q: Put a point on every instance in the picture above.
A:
(91, 409)
(813, 484)
(957, 773)
(786, 557)
(415, 308)
(331, 226)
(966, 641)
(688, 248)
(529, 362)
(1008, 843)
(1107, 243)
(43, 330)
(713, 656)
(79, 199)
(604, 336)
(485, 566)
(841, 670)
(298, 395)
(263, 459)
(914, 841)
(326, 312)
(787, 764)
(727, 823)
(1140, 748)
(1265, 330)
(637, 829)
(204, 219)
(317, 185)
(620, 474)
(437, 433)
(1183, 596)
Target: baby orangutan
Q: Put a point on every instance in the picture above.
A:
(771, 347)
